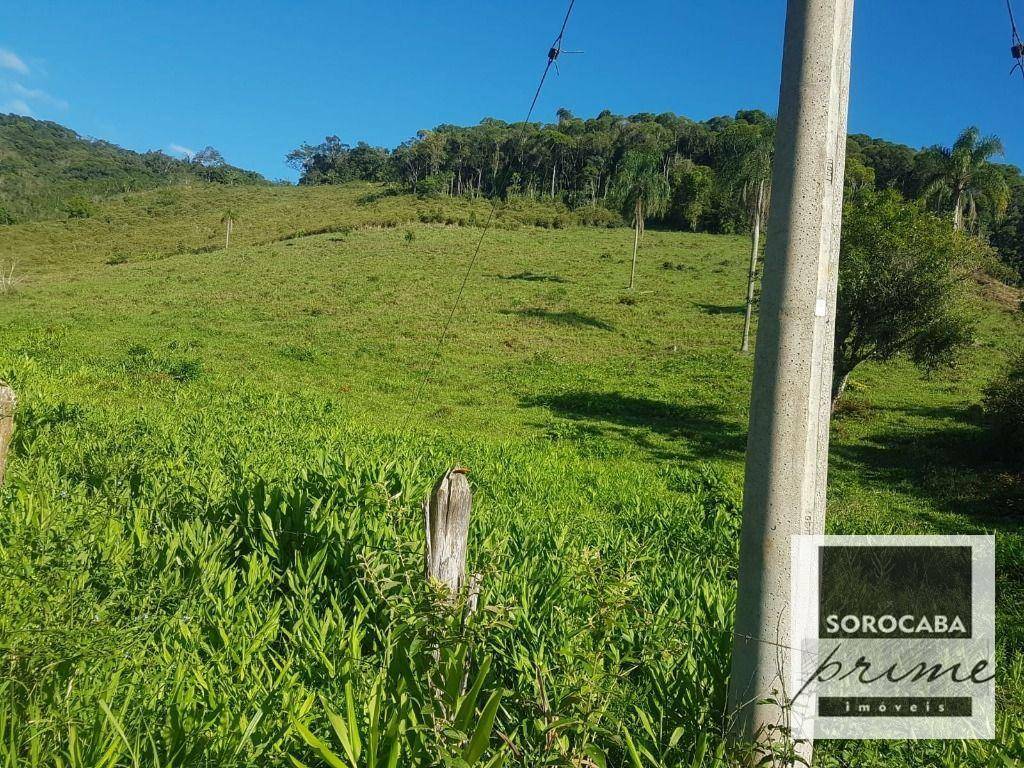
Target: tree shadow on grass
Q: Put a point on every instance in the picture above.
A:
(720, 309)
(954, 466)
(533, 277)
(575, 319)
(695, 431)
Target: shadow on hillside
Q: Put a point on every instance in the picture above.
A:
(533, 277)
(720, 309)
(575, 319)
(954, 466)
(703, 431)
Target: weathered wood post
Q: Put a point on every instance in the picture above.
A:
(8, 401)
(446, 516)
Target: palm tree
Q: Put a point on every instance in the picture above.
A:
(749, 171)
(963, 174)
(640, 190)
(228, 219)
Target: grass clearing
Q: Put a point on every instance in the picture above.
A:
(211, 516)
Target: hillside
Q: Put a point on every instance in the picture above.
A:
(219, 462)
(48, 170)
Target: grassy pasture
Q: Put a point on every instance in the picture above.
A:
(210, 530)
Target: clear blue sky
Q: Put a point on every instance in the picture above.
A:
(255, 79)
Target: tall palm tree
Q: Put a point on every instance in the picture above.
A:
(640, 190)
(228, 220)
(964, 175)
(748, 169)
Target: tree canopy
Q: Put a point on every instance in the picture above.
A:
(901, 285)
(964, 177)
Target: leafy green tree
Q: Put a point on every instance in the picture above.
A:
(1007, 235)
(964, 176)
(901, 286)
(858, 174)
(692, 188)
(750, 150)
(892, 164)
(640, 190)
(208, 157)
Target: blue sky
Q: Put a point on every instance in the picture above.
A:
(257, 79)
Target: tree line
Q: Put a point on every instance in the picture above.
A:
(578, 161)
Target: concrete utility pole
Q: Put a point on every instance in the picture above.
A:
(787, 450)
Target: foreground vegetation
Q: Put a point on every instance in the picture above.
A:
(210, 538)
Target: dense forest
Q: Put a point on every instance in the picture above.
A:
(577, 161)
(47, 169)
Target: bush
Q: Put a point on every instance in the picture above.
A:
(434, 186)
(598, 216)
(1004, 405)
(78, 207)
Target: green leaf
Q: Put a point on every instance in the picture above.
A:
(353, 724)
(454, 673)
(329, 757)
(468, 707)
(597, 757)
(117, 727)
(699, 752)
(634, 756)
(482, 734)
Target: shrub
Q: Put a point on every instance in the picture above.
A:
(435, 185)
(597, 216)
(78, 207)
(1004, 405)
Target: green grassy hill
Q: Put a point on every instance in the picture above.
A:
(211, 531)
(47, 170)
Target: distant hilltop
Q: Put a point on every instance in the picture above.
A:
(49, 170)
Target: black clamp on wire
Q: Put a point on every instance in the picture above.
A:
(1017, 47)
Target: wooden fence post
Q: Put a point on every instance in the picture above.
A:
(8, 401)
(446, 516)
